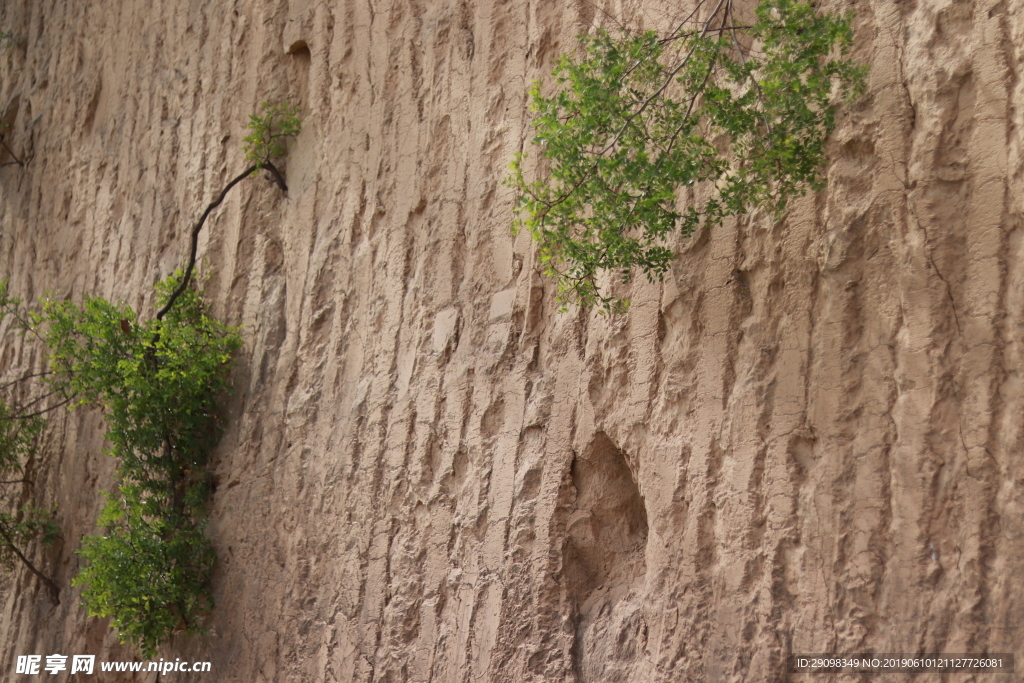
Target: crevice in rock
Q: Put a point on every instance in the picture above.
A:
(604, 562)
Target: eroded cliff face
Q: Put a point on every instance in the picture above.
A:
(807, 439)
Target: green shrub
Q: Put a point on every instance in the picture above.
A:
(269, 132)
(159, 382)
(150, 571)
(715, 116)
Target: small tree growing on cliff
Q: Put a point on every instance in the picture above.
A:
(159, 382)
(651, 134)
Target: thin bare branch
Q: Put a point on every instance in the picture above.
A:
(44, 410)
(195, 239)
(25, 377)
(664, 85)
(10, 151)
(47, 581)
(277, 178)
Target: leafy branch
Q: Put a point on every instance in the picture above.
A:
(21, 524)
(33, 523)
(649, 135)
(268, 136)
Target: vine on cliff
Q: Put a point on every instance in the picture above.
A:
(647, 135)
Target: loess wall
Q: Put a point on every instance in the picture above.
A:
(808, 438)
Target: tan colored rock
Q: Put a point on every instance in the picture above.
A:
(807, 439)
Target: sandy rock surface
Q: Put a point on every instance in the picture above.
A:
(807, 439)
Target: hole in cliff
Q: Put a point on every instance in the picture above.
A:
(605, 564)
(299, 69)
(607, 531)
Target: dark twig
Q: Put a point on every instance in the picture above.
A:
(25, 325)
(195, 238)
(10, 151)
(38, 399)
(44, 410)
(275, 175)
(25, 377)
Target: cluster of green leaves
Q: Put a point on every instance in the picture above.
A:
(647, 135)
(269, 132)
(159, 382)
(150, 570)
